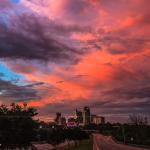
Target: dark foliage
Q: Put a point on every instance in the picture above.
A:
(128, 133)
(55, 137)
(17, 128)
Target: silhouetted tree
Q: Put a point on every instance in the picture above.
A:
(138, 120)
(17, 128)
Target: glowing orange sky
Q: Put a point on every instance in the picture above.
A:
(107, 66)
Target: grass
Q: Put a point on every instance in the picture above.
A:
(85, 145)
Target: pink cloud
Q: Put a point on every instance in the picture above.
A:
(109, 43)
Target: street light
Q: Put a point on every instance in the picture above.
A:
(132, 139)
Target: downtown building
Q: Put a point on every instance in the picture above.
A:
(97, 119)
(59, 120)
(85, 117)
(81, 118)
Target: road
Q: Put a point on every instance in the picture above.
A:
(101, 142)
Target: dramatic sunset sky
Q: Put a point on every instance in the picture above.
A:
(58, 55)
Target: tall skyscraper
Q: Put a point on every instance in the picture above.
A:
(79, 117)
(59, 120)
(86, 116)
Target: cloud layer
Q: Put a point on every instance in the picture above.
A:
(74, 53)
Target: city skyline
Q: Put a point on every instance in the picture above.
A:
(79, 118)
(67, 54)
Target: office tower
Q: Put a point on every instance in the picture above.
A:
(97, 119)
(79, 117)
(86, 116)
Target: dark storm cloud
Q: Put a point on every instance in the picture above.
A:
(66, 29)
(141, 104)
(34, 84)
(119, 45)
(99, 107)
(12, 92)
(121, 106)
(65, 107)
(123, 111)
(130, 93)
(51, 109)
(30, 37)
(130, 82)
(125, 45)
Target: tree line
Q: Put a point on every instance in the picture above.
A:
(18, 129)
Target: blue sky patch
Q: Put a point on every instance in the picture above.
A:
(15, 1)
(9, 75)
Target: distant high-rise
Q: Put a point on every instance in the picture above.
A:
(86, 116)
(92, 118)
(79, 117)
(59, 120)
(97, 119)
